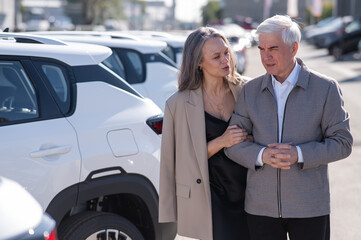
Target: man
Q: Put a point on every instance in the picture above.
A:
(299, 125)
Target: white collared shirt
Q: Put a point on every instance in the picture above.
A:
(282, 90)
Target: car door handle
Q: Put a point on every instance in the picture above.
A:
(50, 151)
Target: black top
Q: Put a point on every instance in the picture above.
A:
(228, 183)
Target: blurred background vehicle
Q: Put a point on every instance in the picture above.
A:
(348, 41)
(329, 32)
(140, 61)
(309, 30)
(175, 43)
(22, 217)
(239, 40)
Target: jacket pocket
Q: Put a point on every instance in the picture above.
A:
(183, 191)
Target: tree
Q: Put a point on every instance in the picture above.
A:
(212, 13)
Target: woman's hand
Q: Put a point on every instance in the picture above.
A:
(233, 135)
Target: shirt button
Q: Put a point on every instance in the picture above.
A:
(199, 181)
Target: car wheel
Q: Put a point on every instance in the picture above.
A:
(98, 226)
(337, 52)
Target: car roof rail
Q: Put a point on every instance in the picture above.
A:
(29, 38)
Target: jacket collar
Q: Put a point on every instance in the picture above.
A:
(303, 78)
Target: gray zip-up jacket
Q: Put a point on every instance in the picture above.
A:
(315, 120)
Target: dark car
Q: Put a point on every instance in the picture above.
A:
(324, 36)
(348, 42)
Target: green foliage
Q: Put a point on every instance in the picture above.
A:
(212, 13)
(327, 9)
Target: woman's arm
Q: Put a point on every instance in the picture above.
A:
(230, 137)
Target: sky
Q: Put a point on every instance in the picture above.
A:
(188, 10)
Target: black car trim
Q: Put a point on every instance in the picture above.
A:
(108, 185)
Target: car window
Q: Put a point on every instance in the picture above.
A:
(136, 62)
(168, 51)
(133, 65)
(353, 27)
(18, 99)
(59, 82)
(114, 63)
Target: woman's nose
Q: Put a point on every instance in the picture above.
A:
(225, 59)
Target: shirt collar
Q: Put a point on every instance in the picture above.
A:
(292, 78)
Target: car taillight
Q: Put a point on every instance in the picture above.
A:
(52, 236)
(156, 124)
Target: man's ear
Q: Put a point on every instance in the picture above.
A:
(294, 48)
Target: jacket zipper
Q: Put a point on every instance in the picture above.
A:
(280, 141)
(279, 170)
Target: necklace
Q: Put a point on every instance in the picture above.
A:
(217, 108)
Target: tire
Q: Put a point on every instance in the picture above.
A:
(337, 52)
(96, 226)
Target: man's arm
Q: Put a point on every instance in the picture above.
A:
(337, 142)
(244, 153)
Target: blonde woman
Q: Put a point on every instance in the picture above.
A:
(200, 188)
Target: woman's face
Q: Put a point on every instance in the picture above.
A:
(216, 58)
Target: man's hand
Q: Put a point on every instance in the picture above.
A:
(280, 155)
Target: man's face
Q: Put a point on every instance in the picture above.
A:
(277, 58)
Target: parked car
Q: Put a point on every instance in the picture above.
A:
(310, 30)
(80, 139)
(139, 61)
(239, 41)
(332, 31)
(175, 43)
(348, 42)
(22, 217)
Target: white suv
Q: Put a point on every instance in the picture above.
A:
(81, 140)
(139, 61)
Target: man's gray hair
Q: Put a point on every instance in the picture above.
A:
(290, 30)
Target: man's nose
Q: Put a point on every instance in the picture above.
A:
(267, 55)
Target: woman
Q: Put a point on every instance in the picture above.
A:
(200, 188)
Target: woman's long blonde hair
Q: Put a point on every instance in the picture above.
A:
(190, 76)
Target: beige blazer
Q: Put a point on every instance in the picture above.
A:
(184, 191)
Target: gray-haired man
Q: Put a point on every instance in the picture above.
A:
(299, 125)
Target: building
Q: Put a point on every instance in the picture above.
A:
(257, 10)
(8, 18)
(347, 7)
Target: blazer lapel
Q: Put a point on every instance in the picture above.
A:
(196, 121)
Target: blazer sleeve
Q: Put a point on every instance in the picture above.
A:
(244, 153)
(337, 138)
(167, 190)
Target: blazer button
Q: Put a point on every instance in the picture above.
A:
(199, 181)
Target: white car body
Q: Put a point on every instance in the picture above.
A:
(103, 137)
(174, 42)
(160, 76)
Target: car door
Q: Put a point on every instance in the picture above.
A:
(352, 36)
(38, 145)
